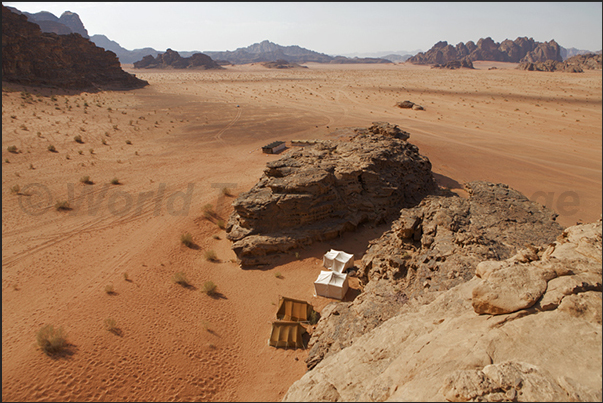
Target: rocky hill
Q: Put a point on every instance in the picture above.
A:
(68, 23)
(172, 60)
(125, 56)
(431, 248)
(527, 328)
(32, 57)
(519, 50)
(320, 191)
(574, 64)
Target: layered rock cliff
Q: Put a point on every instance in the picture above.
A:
(519, 50)
(524, 329)
(320, 191)
(32, 57)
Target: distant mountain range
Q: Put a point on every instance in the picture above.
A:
(267, 51)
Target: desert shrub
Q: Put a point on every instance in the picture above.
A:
(226, 192)
(104, 142)
(12, 149)
(209, 288)
(52, 148)
(128, 142)
(187, 239)
(278, 275)
(15, 189)
(91, 150)
(216, 236)
(78, 139)
(111, 325)
(180, 278)
(109, 289)
(220, 223)
(115, 181)
(210, 255)
(126, 276)
(61, 205)
(208, 211)
(86, 180)
(51, 340)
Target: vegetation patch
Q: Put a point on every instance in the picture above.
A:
(51, 340)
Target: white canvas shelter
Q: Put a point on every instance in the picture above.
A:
(331, 284)
(337, 260)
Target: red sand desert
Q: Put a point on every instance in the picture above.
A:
(192, 133)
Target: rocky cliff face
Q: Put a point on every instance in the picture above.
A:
(574, 64)
(172, 60)
(519, 50)
(431, 248)
(31, 57)
(320, 191)
(524, 329)
(68, 23)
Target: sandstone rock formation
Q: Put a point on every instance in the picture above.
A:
(320, 191)
(172, 60)
(68, 23)
(445, 350)
(282, 64)
(31, 57)
(465, 62)
(521, 49)
(431, 248)
(574, 64)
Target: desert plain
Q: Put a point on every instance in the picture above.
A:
(193, 138)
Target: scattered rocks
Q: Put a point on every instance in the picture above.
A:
(320, 191)
(409, 105)
(455, 64)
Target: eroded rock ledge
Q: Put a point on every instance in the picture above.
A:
(320, 191)
(501, 336)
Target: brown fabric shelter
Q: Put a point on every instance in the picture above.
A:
(287, 334)
(290, 309)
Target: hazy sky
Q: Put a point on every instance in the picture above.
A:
(331, 28)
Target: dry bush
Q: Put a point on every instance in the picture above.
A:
(12, 149)
(61, 205)
(209, 288)
(86, 180)
(109, 289)
(208, 211)
(210, 255)
(220, 223)
(187, 239)
(15, 189)
(52, 148)
(111, 325)
(51, 341)
(115, 181)
(180, 278)
(78, 139)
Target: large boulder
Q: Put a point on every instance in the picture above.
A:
(445, 351)
(320, 191)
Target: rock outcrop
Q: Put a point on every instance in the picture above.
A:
(574, 64)
(453, 350)
(32, 57)
(172, 60)
(521, 49)
(465, 62)
(320, 191)
(431, 248)
(282, 64)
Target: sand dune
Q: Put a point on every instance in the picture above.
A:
(192, 133)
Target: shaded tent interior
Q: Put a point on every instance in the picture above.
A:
(290, 309)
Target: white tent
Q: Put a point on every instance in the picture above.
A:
(331, 284)
(337, 260)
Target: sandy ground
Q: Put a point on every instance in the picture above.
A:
(193, 133)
